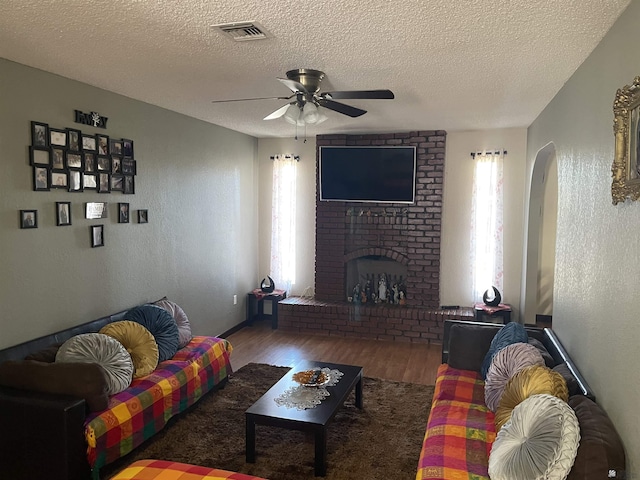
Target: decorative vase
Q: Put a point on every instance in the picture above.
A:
(497, 298)
(267, 285)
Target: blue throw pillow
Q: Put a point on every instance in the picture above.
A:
(162, 326)
(512, 332)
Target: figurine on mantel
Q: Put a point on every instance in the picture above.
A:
(382, 289)
(396, 293)
(357, 292)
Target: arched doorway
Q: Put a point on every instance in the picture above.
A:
(541, 236)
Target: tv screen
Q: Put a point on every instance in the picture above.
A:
(367, 174)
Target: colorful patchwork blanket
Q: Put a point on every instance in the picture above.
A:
(144, 408)
(460, 429)
(163, 470)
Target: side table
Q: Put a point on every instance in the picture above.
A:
(503, 311)
(255, 305)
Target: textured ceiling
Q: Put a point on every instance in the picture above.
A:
(453, 65)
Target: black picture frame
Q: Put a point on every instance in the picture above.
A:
(123, 213)
(58, 158)
(88, 143)
(117, 183)
(59, 179)
(103, 164)
(89, 181)
(104, 183)
(127, 147)
(28, 218)
(143, 216)
(129, 186)
(63, 214)
(58, 137)
(97, 235)
(41, 178)
(116, 164)
(74, 161)
(75, 181)
(102, 144)
(74, 140)
(89, 162)
(128, 166)
(115, 146)
(40, 156)
(39, 134)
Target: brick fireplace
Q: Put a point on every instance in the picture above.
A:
(406, 234)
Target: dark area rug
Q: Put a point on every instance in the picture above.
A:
(380, 442)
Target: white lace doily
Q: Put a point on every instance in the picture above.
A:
(301, 397)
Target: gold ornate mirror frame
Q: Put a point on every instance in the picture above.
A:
(626, 127)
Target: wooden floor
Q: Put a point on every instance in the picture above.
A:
(399, 361)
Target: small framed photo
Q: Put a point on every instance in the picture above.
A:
(75, 139)
(74, 161)
(127, 147)
(88, 143)
(115, 146)
(129, 185)
(28, 219)
(128, 166)
(104, 164)
(41, 178)
(59, 180)
(97, 236)
(89, 181)
(75, 181)
(102, 142)
(104, 183)
(63, 213)
(58, 157)
(40, 156)
(116, 164)
(143, 216)
(123, 213)
(89, 162)
(39, 134)
(58, 137)
(117, 183)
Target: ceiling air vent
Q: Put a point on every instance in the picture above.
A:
(243, 31)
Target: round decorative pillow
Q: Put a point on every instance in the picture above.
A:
(540, 441)
(184, 327)
(139, 343)
(529, 381)
(505, 364)
(103, 350)
(512, 332)
(162, 326)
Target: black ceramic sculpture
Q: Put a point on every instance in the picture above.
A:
(267, 285)
(497, 298)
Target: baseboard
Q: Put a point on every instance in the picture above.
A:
(235, 329)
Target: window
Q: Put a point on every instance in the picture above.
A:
(283, 221)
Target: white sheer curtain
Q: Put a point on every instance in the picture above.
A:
(283, 221)
(486, 223)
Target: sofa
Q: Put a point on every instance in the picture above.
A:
(60, 420)
(465, 439)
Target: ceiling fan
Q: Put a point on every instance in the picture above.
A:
(304, 109)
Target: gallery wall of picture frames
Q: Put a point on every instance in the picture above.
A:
(74, 161)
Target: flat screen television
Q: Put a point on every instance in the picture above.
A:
(367, 174)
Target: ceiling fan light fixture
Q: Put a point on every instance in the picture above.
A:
(310, 113)
(292, 115)
(321, 116)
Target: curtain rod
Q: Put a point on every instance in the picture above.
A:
(295, 157)
(473, 154)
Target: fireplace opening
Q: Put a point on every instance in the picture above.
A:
(376, 279)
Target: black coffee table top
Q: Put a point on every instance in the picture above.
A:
(266, 408)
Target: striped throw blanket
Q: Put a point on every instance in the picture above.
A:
(163, 470)
(144, 408)
(460, 429)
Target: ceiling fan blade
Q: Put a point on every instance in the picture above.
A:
(341, 108)
(278, 113)
(354, 94)
(248, 99)
(293, 85)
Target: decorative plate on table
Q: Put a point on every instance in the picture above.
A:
(311, 378)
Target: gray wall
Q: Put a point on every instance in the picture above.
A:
(595, 309)
(197, 180)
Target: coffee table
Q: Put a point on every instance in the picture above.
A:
(316, 420)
